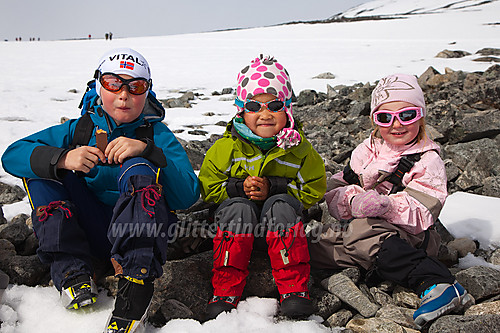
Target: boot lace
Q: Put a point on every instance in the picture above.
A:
(224, 244)
(149, 194)
(46, 211)
(282, 233)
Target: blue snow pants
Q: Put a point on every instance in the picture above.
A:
(74, 228)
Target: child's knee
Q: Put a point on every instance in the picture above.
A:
(237, 213)
(135, 166)
(282, 211)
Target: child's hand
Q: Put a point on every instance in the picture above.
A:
(256, 188)
(121, 148)
(370, 204)
(81, 159)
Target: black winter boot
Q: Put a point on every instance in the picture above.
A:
(296, 305)
(219, 304)
(131, 305)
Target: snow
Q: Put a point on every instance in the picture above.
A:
(37, 77)
(473, 216)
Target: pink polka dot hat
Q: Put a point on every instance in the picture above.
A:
(267, 75)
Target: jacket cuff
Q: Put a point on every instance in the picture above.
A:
(153, 153)
(234, 188)
(277, 185)
(44, 159)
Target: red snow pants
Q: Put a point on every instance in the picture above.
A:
(239, 221)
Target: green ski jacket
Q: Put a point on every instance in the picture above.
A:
(234, 157)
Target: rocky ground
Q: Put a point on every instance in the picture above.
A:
(463, 117)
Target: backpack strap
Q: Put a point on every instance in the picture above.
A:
(145, 131)
(405, 164)
(350, 176)
(85, 128)
(83, 131)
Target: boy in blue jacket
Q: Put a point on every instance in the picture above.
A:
(112, 202)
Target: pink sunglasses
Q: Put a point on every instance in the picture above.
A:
(406, 116)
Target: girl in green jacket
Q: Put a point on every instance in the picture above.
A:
(262, 173)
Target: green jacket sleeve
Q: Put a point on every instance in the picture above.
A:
(213, 175)
(310, 184)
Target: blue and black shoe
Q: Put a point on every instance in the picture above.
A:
(438, 300)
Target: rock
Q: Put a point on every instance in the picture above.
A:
(260, 281)
(7, 250)
(405, 297)
(472, 80)
(452, 324)
(429, 73)
(489, 51)
(339, 318)
(307, 97)
(2, 218)
(495, 257)
(198, 132)
(16, 233)
(480, 281)
(491, 186)
(10, 194)
(324, 302)
(381, 297)
(331, 92)
(462, 246)
(379, 325)
(226, 91)
(448, 256)
(452, 54)
(171, 309)
(187, 281)
(30, 245)
(181, 102)
(487, 59)
(343, 287)
(484, 308)
(325, 76)
(399, 315)
(26, 270)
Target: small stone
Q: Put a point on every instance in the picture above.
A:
(462, 246)
(484, 308)
(343, 287)
(325, 76)
(405, 298)
(379, 325)
(339, 318)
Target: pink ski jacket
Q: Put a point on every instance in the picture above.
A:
(414, 209)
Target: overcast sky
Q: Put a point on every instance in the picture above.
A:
(66, 19)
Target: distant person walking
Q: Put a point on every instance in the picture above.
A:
(110, 36)
(106, 35)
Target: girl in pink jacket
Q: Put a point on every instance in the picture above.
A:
(390, 194)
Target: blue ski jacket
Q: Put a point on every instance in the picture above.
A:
(36, 155)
